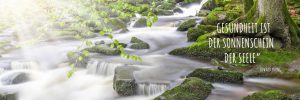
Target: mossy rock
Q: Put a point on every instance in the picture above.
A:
(139, 46)
(103, 50)
(194, 33)
(124, 83)
(163, 12)
(136, 40)
(218, 76)
(167, 6)
(185, 25)
(8, 97)
(141, 22)
(116, 24)
(268, 95)
(295, 96)
(191, 89)
(203, 13)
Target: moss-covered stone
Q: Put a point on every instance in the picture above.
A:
(124, 83)
(163, 12)
(194, 33)
(185, 25)
(141, 22)
(138, 44)
(218, 75)
(203, 13)
(103, 50)
(268, 95)
(191, 89)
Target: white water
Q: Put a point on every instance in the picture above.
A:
(101, 68)
(149, 89)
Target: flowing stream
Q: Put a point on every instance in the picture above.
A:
(44, 64)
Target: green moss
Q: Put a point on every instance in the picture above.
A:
(268, 95)
(191, 89)
(184, 26)
(167, 6)
(194, 33)
(103, 50)
(138, 44)
(218, 75)
(159, 11)
(298, 74)
(248, 5)
(279, 56)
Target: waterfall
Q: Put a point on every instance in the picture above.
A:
(148, 89)
(17, 65)
(101, 68)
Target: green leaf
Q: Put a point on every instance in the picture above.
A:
(80, 58)
(70, 73)
(110, 36)
(88, 43)
(102, 33)
(85, 53)
(112, 45)
(140, 59)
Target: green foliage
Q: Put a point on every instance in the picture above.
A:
(268, 95)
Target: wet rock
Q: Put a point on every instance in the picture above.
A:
(16, 78)
(191, 89)
(138, 44)
(185, 25)
(218, 76)
(99, 42)
(124, 83)
(103, 50)
(268, 95)
(8, 97)
(163, 12)
(167, 6)
(141, 22)
(203, 13)
(177, 10)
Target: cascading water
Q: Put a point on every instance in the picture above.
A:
(101, 68)
(149, 89)
(28, 65)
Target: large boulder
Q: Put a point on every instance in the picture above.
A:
(203, 13)
(163, 12)
(103, 50)
(138, 44)
(185, 25)
(218, 75)
(124, 83)
(268, 95)
(141, 22)
(191, 89)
